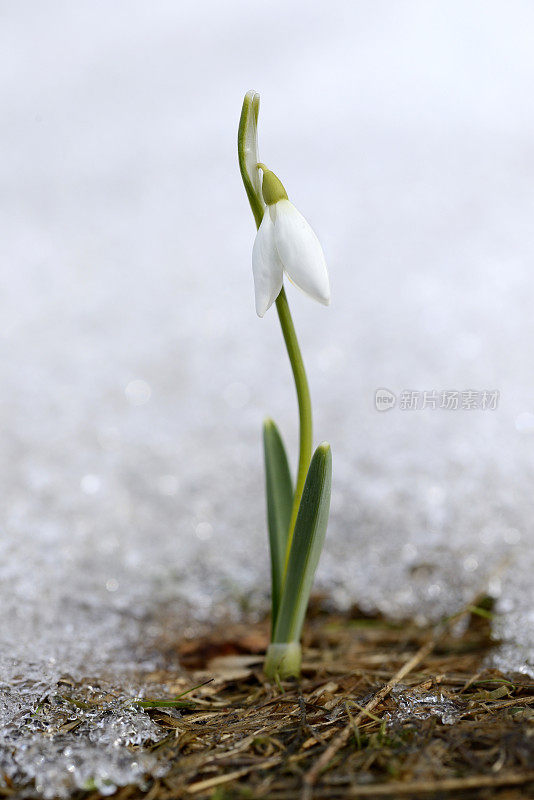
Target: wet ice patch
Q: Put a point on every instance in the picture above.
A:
(56, 739)
(412, 705)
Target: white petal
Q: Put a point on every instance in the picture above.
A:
(300, 252)
(266, 266)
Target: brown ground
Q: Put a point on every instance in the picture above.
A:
(344, 731)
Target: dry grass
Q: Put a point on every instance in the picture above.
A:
(365, 720)
(340, 732)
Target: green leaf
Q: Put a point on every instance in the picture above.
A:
(164, 703)
(279, 490)
(306, 547)
(174, 703)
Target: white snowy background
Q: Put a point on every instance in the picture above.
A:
(134, 374)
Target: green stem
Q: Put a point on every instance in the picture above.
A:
(305, 410)
(246, 146)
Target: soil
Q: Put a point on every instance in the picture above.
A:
(382, 710)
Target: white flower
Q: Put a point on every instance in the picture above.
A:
(286, 243)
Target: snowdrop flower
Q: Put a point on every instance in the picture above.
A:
(297, 512)
(285, 243)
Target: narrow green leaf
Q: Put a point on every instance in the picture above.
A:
(306, 547)
(164, 703)
(279, 490)
(174, 703)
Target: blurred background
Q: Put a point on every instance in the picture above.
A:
(135, 374)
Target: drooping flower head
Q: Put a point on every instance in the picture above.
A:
(285, 243)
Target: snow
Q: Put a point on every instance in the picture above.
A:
(135, 374)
